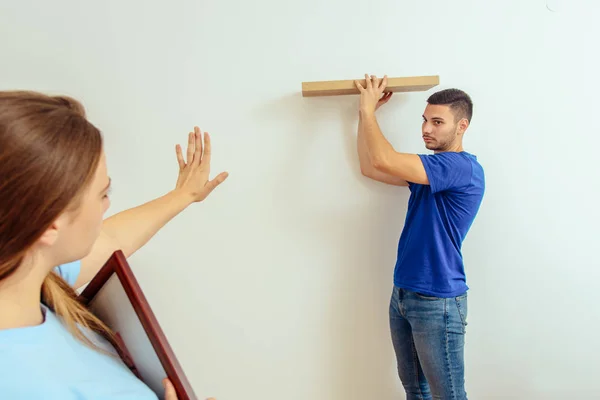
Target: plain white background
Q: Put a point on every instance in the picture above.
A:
(277, 287)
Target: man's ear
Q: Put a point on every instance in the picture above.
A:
(463, 124)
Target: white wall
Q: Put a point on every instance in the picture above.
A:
(277, 287)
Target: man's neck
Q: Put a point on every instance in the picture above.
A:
(20, 297)
(455, 148)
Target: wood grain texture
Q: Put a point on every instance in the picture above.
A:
(347, 87)
(117, 264)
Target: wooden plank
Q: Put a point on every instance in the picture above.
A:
(346, 87)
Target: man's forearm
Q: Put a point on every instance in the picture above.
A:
(363, 154)
(377, 145)
(133, 228)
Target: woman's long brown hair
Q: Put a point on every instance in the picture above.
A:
(49, 153)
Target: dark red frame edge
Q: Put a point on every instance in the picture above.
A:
(118, 264)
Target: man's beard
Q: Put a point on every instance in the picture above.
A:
(438, 146)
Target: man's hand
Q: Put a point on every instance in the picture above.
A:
(384, 99)
(170, 390)
(195, 171)
(371, 96)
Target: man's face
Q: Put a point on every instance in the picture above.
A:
(440, 130)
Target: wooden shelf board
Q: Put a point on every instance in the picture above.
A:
(347, 87)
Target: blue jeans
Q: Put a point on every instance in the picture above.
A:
(428, 334)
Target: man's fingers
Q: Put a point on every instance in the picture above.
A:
(375, 81)
(179, 157)
(384, 82)
(368, 79)
(359, 86)
(190, 149)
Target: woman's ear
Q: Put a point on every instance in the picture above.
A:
(50, 236)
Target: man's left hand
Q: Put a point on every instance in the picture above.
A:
(371, 94)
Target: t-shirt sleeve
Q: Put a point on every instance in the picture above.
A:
(447, 170)
(69, 272)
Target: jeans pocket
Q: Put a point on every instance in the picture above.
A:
(426, 297)
(462, 309)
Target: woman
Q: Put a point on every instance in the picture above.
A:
(53, 240)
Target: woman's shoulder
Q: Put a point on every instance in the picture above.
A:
(47, 362)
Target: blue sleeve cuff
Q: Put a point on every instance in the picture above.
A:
(430, 176)
(69, 272)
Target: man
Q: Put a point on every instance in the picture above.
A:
(428, 307)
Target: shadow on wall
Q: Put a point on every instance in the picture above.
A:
(365, 230)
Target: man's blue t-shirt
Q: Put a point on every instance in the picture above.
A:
(47, 362)
(438, 218)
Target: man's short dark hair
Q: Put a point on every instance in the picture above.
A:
(459, 102)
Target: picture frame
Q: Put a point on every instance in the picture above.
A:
(115, 297)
